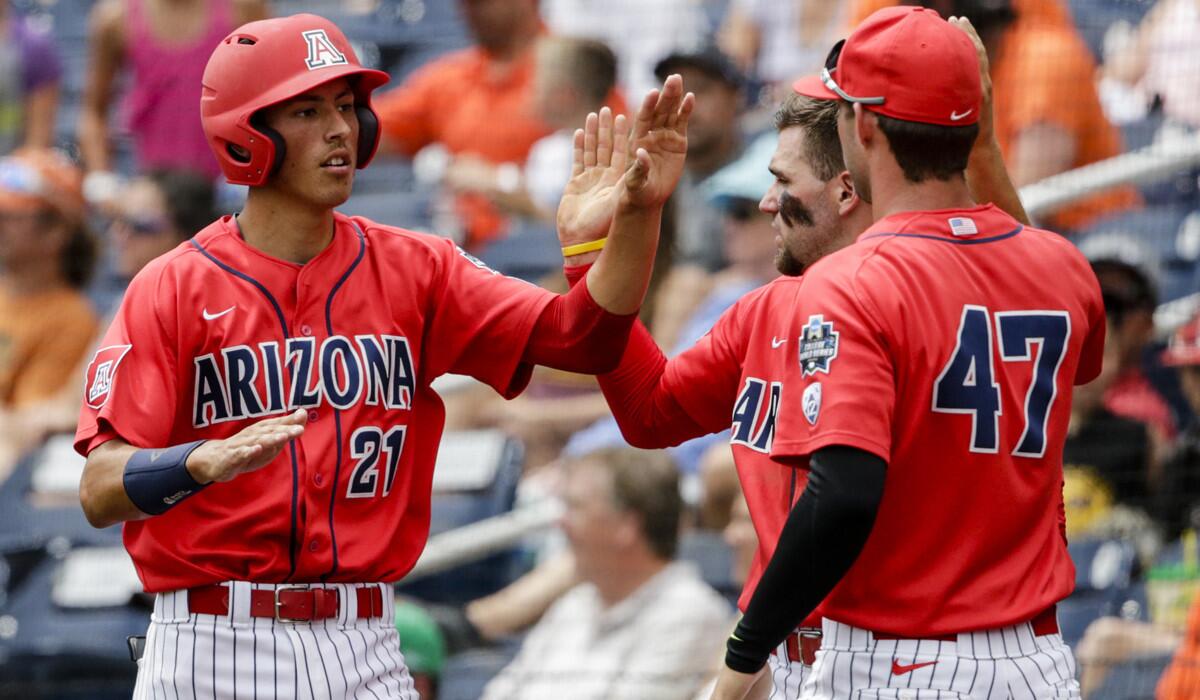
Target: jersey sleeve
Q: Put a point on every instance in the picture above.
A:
(840, 385)
(481, 322)
(659, 402)
(131, 384)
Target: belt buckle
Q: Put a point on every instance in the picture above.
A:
(279, 604)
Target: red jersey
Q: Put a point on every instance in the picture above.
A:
(215, 335)
(731, 378)
(947, 343)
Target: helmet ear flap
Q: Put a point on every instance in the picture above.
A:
(368, 134)
(277, 141)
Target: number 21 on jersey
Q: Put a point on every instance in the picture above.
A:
(967, 384)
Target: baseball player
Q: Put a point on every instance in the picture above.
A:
(260, 414)
(733, 377)
(927, 394)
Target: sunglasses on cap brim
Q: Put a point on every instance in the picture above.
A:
(830, 68)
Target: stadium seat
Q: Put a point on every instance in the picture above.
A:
(465, 675)
(1132, 680)
(710, 554)
(1104, 571)
(40, 501)
(51, 651)
(475, 478)
(529, 252)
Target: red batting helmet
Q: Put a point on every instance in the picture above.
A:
(267, 62)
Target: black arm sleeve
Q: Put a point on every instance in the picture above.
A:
(824, 534)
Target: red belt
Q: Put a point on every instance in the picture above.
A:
(802, 645)
(286, 603)
(1044, 623)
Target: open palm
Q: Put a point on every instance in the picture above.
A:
(611, 166)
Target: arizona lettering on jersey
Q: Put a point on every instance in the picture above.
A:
(958, 338)
(242, 382)
(216, 335)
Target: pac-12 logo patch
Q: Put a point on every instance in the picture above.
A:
(811, 402)
(818, 345)
(101, 374)
(321, 51)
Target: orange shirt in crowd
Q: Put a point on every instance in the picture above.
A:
(1181, 680)
(1043, 73)
(42, 338)
(469, 104)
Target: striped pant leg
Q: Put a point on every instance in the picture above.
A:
(787, 676)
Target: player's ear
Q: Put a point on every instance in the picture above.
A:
(865, 124)
(846, 196)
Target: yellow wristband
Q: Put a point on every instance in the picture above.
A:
(580, 248)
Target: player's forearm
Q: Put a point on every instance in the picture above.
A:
(621, 274)
(641, 400)
(989, 180)
(824, 534)
(102, 488)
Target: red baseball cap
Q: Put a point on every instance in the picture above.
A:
(906, 63)
(1184, 348)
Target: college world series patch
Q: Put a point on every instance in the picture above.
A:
(818, 345)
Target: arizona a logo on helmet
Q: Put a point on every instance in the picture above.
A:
(321, 51)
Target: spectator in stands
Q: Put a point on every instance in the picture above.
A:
(639, 32)
(1181, 680)
(163, 45)
(778, 40)
(1111, 641)
(572, 78)
(423, 646)
(1048, 114)
(46, 259)
(156, 212)
(1163, 60)
(477, 102)
(714, 140)
(640, 625)
(1130, 300)
(30, 72)
(1105, 462)
(1178, 498)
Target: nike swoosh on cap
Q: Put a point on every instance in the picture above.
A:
(955, 116)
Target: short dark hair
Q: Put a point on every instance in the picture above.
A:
(818, 118)
(646, 483)
(927, 151)
(1125, 288)
(190, 198)
(589, 64)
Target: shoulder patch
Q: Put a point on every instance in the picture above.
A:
(101, 374)
(818, 345)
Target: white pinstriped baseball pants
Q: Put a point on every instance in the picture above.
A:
(1008, 663)
(786, 676)
(215, 657)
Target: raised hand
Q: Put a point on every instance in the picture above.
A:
(611, 165)
(658, 145)
(590, 197)
(250, 449)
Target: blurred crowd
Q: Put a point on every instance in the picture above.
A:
(105, 167)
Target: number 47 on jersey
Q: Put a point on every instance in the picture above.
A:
(967, 383)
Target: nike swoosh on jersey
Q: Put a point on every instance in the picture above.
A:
(209, 317)
(899, 669)
(776, 342)
(955, 116)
